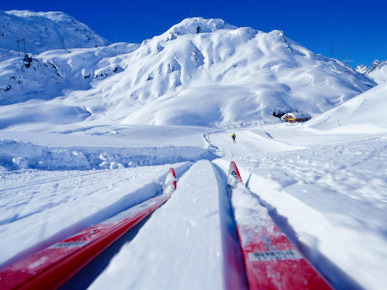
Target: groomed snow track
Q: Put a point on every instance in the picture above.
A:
(190, 242)
(197, 219)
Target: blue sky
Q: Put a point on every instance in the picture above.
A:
(347, 30)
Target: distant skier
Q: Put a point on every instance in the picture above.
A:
(27, 60)
(233, 136)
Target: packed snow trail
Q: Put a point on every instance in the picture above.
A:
(241, 148)
(183, 244)
(249, 144)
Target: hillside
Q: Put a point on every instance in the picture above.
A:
(236, 76)
(364, 112)
(377, 71)
(36, 32)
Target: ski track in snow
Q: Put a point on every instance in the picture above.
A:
(295, 176)
(187, 241)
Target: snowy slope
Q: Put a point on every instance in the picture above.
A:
(365, 112)
(65, 55)
(52, 73)
(35, 32)
(377, 71)
(237, 76)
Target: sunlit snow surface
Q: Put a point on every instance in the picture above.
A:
(87, 148)
(325, 189)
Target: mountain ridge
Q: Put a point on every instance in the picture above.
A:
(201, 72)
(376, 71)
(35, 32)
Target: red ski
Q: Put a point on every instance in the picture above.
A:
(53, 266)
(271, 260)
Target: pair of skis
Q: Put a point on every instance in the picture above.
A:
(53, 266)
(271, 260)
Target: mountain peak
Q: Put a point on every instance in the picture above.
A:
(197, 25)
(34, 32)
(52, 15)
(376, 64)
(377, 71)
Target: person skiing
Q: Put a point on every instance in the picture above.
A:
(233, 136)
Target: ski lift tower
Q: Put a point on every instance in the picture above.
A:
(18, 41)
(346, 61)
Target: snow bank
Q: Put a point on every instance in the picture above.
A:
(327, 235)
(24, 155)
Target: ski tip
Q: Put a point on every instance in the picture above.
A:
(172, 170)
(174, 181)
(170, 182)
(234, 177)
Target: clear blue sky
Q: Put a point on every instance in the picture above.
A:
(347, 30)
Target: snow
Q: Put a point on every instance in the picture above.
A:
(34, 32)
(190, 219)
(22, 155)
(365, 113)
(53, 71)
(162, 80)
(377, 71)
(46, 198)
(88, 132)
(330, 198)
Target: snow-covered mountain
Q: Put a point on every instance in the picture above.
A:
(235, 75)
(377, 71)
(67, 114)
(35, 32)
(53, 72)
(200, 72)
